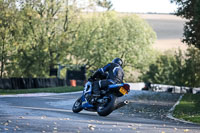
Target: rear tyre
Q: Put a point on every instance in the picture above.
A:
(77, 107)
(107, 108)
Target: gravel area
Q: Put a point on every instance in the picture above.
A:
(151, 105)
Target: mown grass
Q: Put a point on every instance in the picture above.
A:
(189, 108)
(45, 90)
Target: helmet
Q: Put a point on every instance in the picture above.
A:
(117, 61)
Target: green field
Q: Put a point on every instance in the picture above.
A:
(45, 90)
(189, 108)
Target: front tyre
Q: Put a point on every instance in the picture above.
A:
(108, 107)
(77, 107)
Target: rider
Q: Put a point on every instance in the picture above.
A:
(114, 72)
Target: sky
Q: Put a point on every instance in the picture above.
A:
(144, 6)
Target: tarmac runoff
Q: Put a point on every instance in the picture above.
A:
(136, 87)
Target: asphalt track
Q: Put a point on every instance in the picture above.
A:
(145, 113)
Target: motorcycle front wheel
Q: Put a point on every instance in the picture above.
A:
(77, 107)
(107, 108)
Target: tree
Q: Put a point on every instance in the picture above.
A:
(167, 69)
(8, 34)
(48, 31)
(192, 69)
(190, 9)
(159, 72)
(104, 36)
(180, 69)
(178, 73)
(51, 32)
(105, 4)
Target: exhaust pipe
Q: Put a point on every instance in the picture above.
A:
(121, 104)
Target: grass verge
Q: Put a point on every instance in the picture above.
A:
(189, 108)
(45, 90)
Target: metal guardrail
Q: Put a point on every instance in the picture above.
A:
(27, 83)
(173, 89)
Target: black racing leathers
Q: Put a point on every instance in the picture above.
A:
(115, 74)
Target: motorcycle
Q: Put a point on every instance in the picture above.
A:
(106, 103)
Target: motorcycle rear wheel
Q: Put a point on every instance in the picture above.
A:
(77, 107)
(106, 109)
